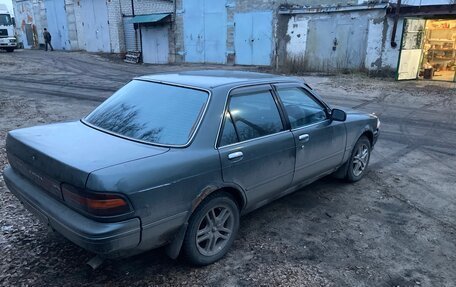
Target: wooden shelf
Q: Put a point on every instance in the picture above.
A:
(442, 50)
(441, 40)
(432, 29)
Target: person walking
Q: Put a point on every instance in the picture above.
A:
(47, 39)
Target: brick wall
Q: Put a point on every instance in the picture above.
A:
(79, 27)
(72, 28)
(115, 26)
(143, 7)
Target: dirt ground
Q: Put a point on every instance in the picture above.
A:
(396, 227)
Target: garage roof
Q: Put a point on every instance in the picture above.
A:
(150, 18)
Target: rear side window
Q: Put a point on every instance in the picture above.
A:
(229, 134)
(250, 116)
(151, 112)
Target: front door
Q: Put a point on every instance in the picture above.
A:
(411, 49)
(256, 152)
(320, 142)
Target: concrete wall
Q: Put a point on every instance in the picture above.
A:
(330, 41)
(72, 26)
(390, 55)
(381, 56)
(33, 13)
(377, 53)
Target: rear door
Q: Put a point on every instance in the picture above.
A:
(256, 151)
(320, 142)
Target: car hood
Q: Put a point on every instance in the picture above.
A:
(69, 152)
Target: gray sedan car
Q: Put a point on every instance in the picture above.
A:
(175, 159)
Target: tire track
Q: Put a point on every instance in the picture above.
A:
(47, 92)
(57, 84)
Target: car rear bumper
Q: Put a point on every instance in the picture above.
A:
(97, 237)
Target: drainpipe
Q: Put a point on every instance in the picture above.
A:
(396, 19)
(135, 26)
(174, 31)
(140, 42)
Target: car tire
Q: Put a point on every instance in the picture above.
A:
(359, 160)
(211, 229)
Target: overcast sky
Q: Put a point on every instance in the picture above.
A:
(8, 4)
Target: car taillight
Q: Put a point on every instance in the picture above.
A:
(95, 203)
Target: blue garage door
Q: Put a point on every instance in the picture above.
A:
(253, 38)
(155, 44)
(57, 24)
(95, 22)
(205, 31)
(342, 46)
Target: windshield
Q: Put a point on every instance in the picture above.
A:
(151, 112)
(5, 20)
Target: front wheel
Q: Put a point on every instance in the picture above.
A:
(359, 160)
(211, 230)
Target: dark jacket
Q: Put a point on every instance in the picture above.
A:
(47, 36)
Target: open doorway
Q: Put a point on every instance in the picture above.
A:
(428, 50)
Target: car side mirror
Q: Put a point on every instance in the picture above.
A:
(338, 115)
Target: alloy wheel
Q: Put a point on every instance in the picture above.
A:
(360, 160)
(214, 230)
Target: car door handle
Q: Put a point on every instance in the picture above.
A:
(235, 155)
(304, 138)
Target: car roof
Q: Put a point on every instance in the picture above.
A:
(214, 78)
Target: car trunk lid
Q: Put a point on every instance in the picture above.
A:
(68, 152)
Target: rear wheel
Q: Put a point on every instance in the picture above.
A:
(211, 230)
(359, 160)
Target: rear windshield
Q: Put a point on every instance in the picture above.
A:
(151, 112)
